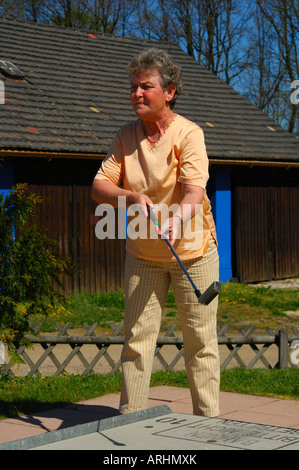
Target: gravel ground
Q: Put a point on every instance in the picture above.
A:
(292, 283)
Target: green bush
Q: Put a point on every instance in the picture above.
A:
(30, 267)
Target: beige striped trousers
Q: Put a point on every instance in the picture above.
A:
(146, 287)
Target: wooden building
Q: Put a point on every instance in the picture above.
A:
(66, 93)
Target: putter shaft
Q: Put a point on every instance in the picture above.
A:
(214, 288)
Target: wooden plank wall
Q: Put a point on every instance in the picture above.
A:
(253, 258)
(69, 216)
(265, 223)
(287, 225)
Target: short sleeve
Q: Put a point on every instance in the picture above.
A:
(112, 166)
(193, 164)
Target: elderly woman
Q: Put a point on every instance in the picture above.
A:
(160, 159)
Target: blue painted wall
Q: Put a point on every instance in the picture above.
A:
(219, 191)
(7, 176)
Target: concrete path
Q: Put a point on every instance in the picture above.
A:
(233, 406)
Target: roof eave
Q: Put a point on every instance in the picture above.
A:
(50, 155)
(100, 156)
(254, 162)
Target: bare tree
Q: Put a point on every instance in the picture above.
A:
(104, 15)
(283, 18)
(209, 30)
(153, 20)
(126, 25)
(69, 13)
(12, 9)
(185, 14)
(264, 67)
(35, 10)
(221, 25)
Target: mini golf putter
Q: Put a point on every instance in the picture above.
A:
(211, 292)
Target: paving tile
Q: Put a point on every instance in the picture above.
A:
(10, 431)
(236, 400)
(181, 407)
(169, 393)
(288, 408)
(111, 400)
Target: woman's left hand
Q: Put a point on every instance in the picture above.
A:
(171, 229)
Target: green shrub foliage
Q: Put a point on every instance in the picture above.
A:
(30, 266)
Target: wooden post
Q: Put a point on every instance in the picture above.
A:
(283, 348)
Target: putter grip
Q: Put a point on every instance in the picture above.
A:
(152, 216)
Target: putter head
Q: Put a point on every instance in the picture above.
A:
(210, 293)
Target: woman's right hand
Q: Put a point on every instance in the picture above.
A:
(141, 200)
(106, 192)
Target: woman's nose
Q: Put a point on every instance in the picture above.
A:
(138, 92)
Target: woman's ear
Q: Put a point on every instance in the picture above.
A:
(170, 92)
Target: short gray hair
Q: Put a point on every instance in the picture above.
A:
(156, 59)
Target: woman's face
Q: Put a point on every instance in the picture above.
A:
(148, 98)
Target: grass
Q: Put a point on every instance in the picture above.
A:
(240, 305)
(274, 383)
(243, 305)
(33, 394)
(101, 308)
